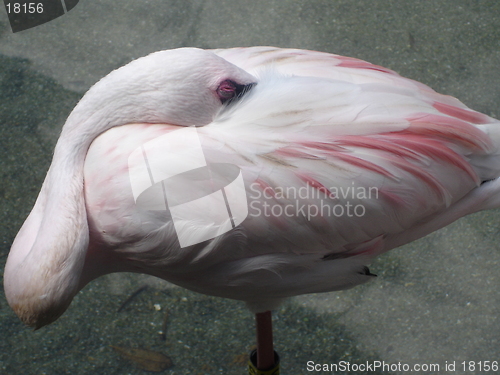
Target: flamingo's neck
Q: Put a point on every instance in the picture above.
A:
(45, 262)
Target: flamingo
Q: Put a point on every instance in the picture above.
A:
(324, 162)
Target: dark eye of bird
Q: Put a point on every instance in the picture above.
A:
(229, 90)
(226, 90)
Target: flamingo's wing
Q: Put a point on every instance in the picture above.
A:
(392, 146)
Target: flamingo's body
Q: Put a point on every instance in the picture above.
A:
(345, 131)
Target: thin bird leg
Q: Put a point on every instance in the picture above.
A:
(265, 351)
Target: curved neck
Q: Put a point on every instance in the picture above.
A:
(46, 259)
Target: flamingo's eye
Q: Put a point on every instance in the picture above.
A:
(229, 90)
(226, 90)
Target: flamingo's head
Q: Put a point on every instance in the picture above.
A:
(185, 87)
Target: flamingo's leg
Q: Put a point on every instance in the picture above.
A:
(265, 350)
